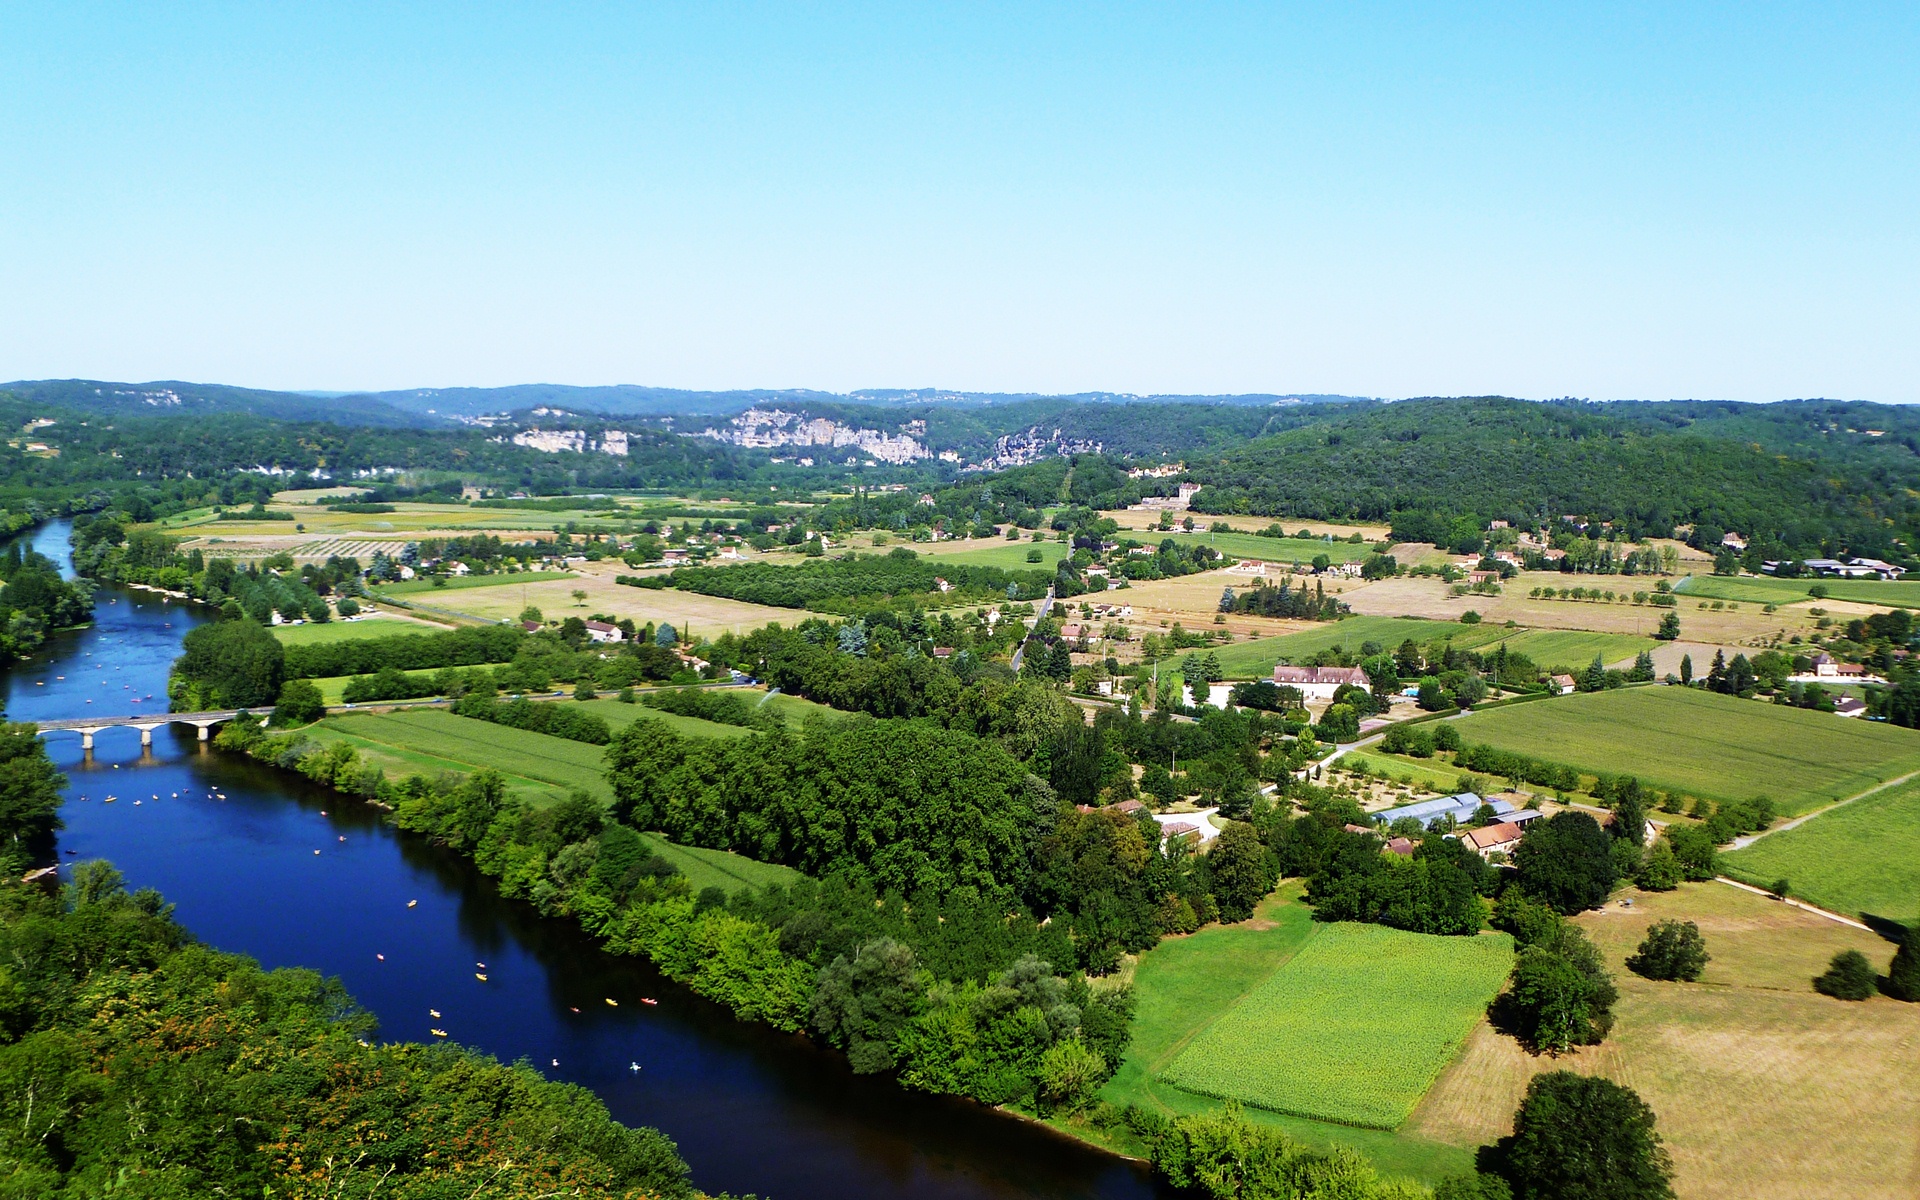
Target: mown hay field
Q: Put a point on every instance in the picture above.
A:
(1693, 741)
(1862, 857)
(719, 868)
(1008, 556)
(1353, 1029)
(706, 616)
(1762, 1087)
(432, 741)
(1265, 549)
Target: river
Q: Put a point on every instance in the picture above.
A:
(259, 862)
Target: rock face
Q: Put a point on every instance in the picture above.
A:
(769, 428)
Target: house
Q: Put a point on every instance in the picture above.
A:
(1319, 683)
(1483, 577)
(1091, 573)
(1501, 838)
(1553, 556)
(943, 651)
(1174, 831)
(1219, 695)
(1103, 687)
(1497, 525)
(531, 626)
(1734, 541)
(1563, 684)
(673, 556)
(1188, 825)
(601, 631)
(458, 568)
(1849, 706)
(942, 584)
(1071, 631)
(1128, 807)
(1400, 846)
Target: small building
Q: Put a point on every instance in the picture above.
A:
(1400, 846)
(1128, 807)
(1319, 683)
(943, 651)
(601, 631)
(1071, 631)
(1483, 577)
(1501, 838)
(1849, 706)
(1460, 808)
(1563, 684)
(1734, 541)
(531, 626)
(1103, 687)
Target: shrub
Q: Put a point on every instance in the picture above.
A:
(1849, 977)
(300, 703)
(1672, 950)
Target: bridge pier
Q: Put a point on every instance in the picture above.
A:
(206, 731)
(86, 739)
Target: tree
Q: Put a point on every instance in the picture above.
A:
(1672, 950)
(1686, 670)
(1694, 851)
(666, 637)
(300, 703)
(1661, 871)
(1903, 977)
(1566, 861)
(533, 614)
(1070, 1073)
(1670, 630)
(1578, 1137)
(1595, 679)
(862, 1004)
(29, 795)
(1848, 977)
(228, 664)
(579, 597)
(1717, 673)
(1238, 866)
(1630, 812)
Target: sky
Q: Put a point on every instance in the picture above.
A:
(1608, 201)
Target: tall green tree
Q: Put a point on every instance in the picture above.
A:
(29, 795)
(227, 664)
(1580, 1137)
(1566, 861)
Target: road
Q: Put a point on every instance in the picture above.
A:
(1020, 652)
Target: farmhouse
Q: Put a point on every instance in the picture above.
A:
(1319, 683)
(1849, 706)
(1494, 839)
(1563, 684)
(601, 631)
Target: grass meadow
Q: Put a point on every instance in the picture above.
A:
(444, 583)
(1572, 648)
(1185, 984)
(311, 634)
(1008, 556)
(1762, 1086)
(1692, 741)
(1862, 857)
(1759, 589)
(704, 615)
(1353, 1029)
(1247, 660)
(543, 768)
(719, 868)
(1431, 774)
(1266, 549)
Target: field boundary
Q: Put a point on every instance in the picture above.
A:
(1802, 905)
(1173, 1052)
(1741, 843)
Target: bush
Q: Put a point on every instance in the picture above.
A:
(1849, 977)
(1672, 950)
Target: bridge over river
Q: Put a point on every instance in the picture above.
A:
(146, 723)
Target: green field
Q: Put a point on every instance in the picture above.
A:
(1353, 1029)
(1687, 740)
(1266, 549)
(419, 587)
(1571, 647)
(346, 631)
(1432, 774)
(1250, 659)
(439, 741)
(1759, 589)
(719, 868)
(1185, 984)
(1008, 556)
(1863, 857)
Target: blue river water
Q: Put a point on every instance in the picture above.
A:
(258, 862)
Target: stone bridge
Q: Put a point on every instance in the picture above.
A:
(146, 723)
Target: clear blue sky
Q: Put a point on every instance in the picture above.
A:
(1386, 200)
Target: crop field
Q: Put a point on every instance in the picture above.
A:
(416, 587)
(1863, 857)
(1185, 984)
(1692, 741)
(1249, 659)
(384, 625)
(1892, 593)
(1353, 1029)
(618, 716)
(1762, 1086)
(463, 744)
(1571, 647)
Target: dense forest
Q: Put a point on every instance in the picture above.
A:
(134, 1061)
(1646, 468)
